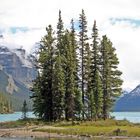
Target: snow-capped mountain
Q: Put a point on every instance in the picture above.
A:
(21, 53)
(125, 92)
(136, 91)
(129, 101)
(17, 72)
(18, 64)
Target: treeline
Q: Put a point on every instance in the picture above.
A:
(5, 105)
(78, 76)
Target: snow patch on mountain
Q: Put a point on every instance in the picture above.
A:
(11, 87)
(136, 91)
(23, 57)
(1, 67)
(4, 50)
(21, 53)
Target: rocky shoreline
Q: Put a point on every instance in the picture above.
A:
(26, 133)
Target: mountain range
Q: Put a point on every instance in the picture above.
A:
(17, 72)
(129, 101)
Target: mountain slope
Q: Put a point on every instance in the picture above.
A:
(129, 102)
(16, 75)
(19, 91)
(18, 64)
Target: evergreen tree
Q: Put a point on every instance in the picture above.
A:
(58, 89)
(88, 79)
(74, 48)
(110, 75)
(60, 33)
(47, 74)
(59, 75)
(38, 101)
(43, 85)
(69, 77)
(5, 104)
(96, 76)
(77, 91)
(24, 110)
(82, 42)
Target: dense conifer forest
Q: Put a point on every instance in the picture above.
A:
(78, 76)
(5, 105)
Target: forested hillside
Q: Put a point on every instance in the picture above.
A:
(5, 104)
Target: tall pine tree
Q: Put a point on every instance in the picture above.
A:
(83, 38)
(59, 72)
(69, 77)
(60, 34)
(110, 75)
(58, 88)
(88, 94)
(96, 76)
(38, 101)
(43, 85)
(77, 91)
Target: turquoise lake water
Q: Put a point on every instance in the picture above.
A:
(14, 116)
(131, 116)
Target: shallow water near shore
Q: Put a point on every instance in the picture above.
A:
(14, 116)
(47, 139)
(130, 116)
(66, 138)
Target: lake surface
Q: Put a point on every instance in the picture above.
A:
(130, 116)
(14, 116)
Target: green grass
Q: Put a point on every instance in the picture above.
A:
(94, 128)
(21, 123)
(107, 128)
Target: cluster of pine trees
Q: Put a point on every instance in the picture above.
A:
(78, 76)
(5, 105)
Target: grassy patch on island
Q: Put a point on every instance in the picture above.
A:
(87, 128)
(94, 128)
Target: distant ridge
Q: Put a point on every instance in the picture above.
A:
(16, 75)
(129, 101)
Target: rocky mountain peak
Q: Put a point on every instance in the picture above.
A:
(136, 91)
(4, 50)
(24, 58)
(17, 71)
(17, 63)
(129, 101)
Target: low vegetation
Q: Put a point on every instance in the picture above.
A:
(88, 128)
(95, 128)
(5, 104)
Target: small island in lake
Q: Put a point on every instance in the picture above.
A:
(71, 74)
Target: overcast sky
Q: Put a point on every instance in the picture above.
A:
(23, 22)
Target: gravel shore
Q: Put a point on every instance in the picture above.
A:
(24, 132)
